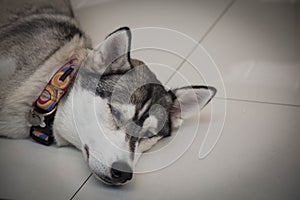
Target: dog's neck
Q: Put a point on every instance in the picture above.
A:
(16, 106)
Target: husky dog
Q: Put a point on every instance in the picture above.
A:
(132, 107)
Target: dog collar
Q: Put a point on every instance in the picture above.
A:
(41, 115)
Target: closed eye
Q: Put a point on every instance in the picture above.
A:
(149, 134)
(115, 112)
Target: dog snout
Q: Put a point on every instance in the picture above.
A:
(121, 172)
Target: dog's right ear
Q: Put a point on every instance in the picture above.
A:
(115, 51)
(188, 101)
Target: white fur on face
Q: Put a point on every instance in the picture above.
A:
(94, 127)
(144, 145)
(176, 121)
(127, 110)
(150, 122)
(145, 107)
(88, 121)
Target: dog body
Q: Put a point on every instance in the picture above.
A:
(32, 47)
(115, 108)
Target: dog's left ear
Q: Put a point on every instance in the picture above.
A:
(115, 51)
(188, 101)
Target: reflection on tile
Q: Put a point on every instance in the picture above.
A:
(255, 158)
(162, 63)
(199, 69)
(192, 17)
(256, 53)
(33, 171)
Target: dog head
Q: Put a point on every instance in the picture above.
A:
(131, 109)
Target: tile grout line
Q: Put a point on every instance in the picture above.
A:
(201, 40)
(217, 21)
(256, 101)
(81, 186)
(181, 64)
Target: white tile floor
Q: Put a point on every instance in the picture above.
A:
(255, 45)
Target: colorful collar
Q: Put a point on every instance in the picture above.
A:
(41, 115)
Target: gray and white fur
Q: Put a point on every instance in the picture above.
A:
(130, 105)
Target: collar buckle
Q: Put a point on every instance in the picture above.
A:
(41, 125)
(38, 119)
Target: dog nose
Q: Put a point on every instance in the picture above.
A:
(121, 172)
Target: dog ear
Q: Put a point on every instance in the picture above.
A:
(188, 101)
(115, 51)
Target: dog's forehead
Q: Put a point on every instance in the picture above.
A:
(137, 86)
